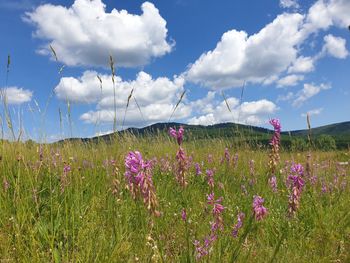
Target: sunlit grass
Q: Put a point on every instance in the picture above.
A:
(95, 218)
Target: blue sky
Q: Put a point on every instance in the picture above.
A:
(292, 56)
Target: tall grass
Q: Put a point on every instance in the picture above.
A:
(95, 219)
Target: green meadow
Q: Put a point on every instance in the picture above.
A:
(71, 202)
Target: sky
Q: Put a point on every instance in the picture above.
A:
(244, 61)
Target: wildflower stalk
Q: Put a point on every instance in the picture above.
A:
(139, 178)
(181, 157)
(249, 228)
(296, 182)
(274, 154)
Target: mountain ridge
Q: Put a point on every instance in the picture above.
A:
(228, 129)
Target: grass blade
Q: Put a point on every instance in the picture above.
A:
(177, 104)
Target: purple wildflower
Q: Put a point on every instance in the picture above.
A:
(239, 224)
(226, 158)
(210, 178)
(259, 210)
(139, 177)
(178, 135)
(296, 183)
(183, 162)
(217, 210)
(203, 249)
(184, 215)
(274, 155)
(182, 167)
(198, 169)
(273, 183)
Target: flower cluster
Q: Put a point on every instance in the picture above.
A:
(182, 160)
(239, 224)
(210, 178)
(216, 225)
(273, 183)
(203, 250)
(296, 183)
(275, 146)
(139, 177)
(197, 166)
(178, 135)
(226, 158)
(217, 210)
(259, 211)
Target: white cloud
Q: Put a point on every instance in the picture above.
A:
(15, 95)
(307, 92)
(85, 34)
(149, 114)
(287, 97)
(302, 65)
(253, 112)
(275, 49)
(155, 97)
(239, 57)
(289, 3)
(326, 13)
(290, 80)
(335, 46)
(312, 112)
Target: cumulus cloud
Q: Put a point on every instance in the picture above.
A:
(308, 92)
(335, 46)
(312, 112)
(85, 34)
(253, 112)
(274, 50)
(290, 80)
(302, 65)
(15, 95)
(135, 117)
(289, 3)
(324, 14)
(155, 98)
(239, 57)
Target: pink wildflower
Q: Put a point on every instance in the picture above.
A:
(259, 210)
(198, 169)
(184, 215)
(139, 177)
(178, 135)
(273, 183)
(296, 182)
(210, 178)
(239, 224)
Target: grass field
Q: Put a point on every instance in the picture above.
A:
(71, 202)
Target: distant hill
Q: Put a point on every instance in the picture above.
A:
(339, 131)
(336, 129)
